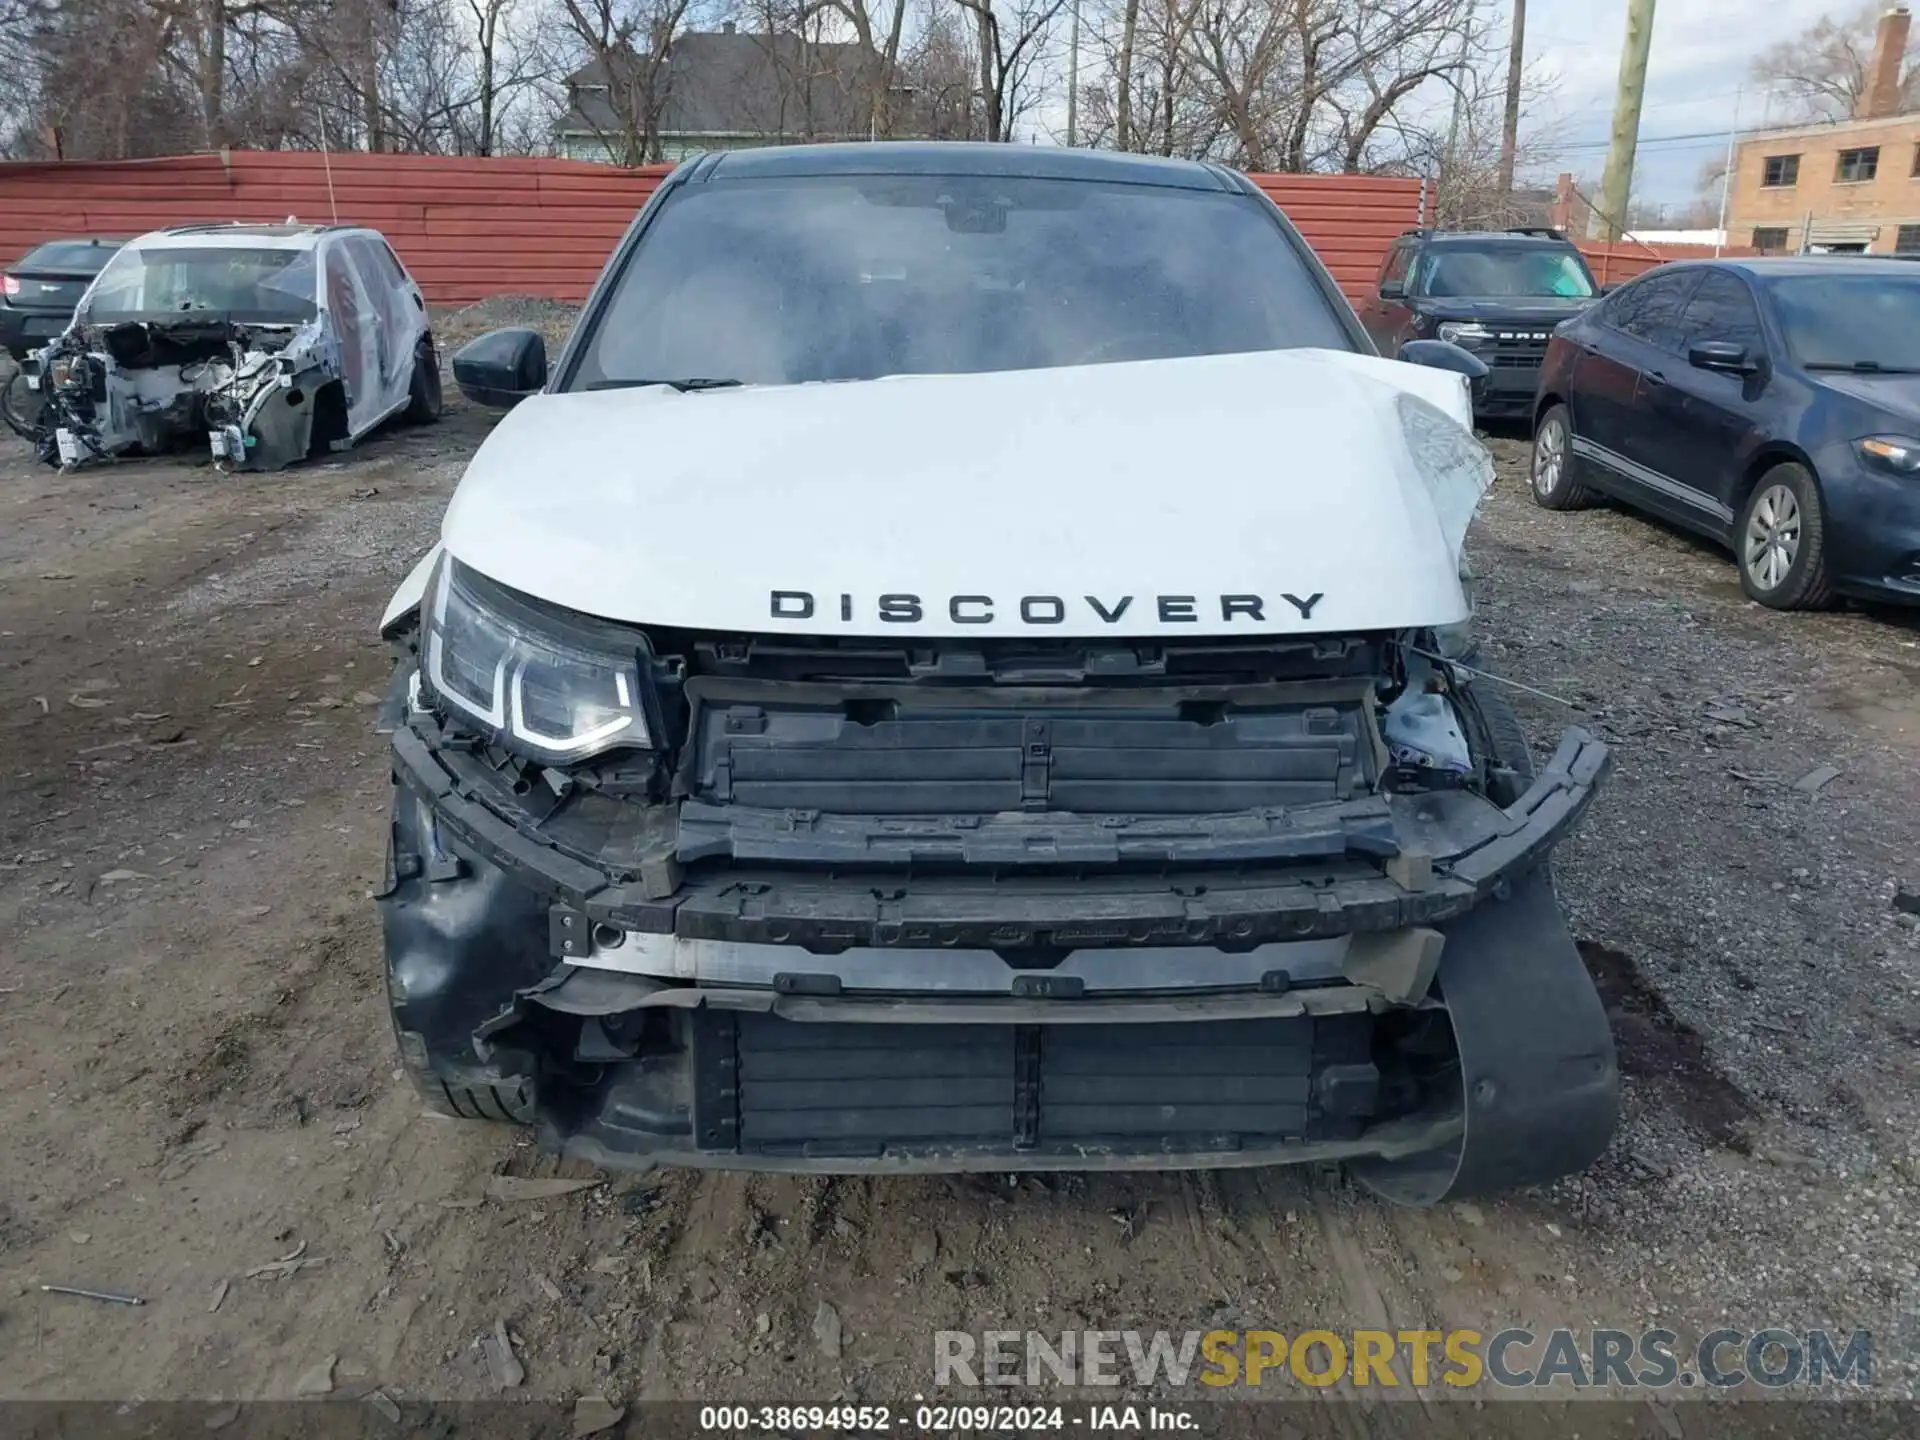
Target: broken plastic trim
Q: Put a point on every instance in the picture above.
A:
(1442, 871)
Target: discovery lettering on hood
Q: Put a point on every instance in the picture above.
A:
(900, 608)
(1055, 518)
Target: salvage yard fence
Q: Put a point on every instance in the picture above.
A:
(469, 228)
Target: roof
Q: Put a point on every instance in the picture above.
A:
(722, 83)
(1780, 267)
(288, 236)
(957, 157)
(1501, 237)
(1843, 129)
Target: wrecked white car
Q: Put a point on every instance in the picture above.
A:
(271, 342)
(947, 673)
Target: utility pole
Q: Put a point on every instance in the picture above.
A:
(1726, 175)
(1448, 181)
(1616, 186)
(1510, 122)
(1073, 80)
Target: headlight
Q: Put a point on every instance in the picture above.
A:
(1899, 454)
(527, 688)
(1465, 332)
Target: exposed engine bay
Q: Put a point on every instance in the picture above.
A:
(255, 391)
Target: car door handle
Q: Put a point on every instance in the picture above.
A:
(1654, 377)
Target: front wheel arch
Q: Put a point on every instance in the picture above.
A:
(1808, 585)
(1769, 456)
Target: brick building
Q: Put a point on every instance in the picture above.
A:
(1851, 185)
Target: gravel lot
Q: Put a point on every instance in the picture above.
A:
(196, 1077)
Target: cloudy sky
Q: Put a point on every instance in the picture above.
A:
(1701, 53)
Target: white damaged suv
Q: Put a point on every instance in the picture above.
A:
(945, 673)
(273, 342)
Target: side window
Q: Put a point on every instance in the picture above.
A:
(343, 301)
(1657, 319)
(1624, 304)
(380, 283)
(350, 321)
(1723, 310)
(1399, 261)
(1421, 274)
(383, 266)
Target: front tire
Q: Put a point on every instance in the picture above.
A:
(21, 407)
(1507, 737)
(1780, 541)
(1555, 482)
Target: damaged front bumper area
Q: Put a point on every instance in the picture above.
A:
(1386, 981)
(262, 396)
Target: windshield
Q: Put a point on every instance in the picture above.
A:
(1870, 321)
(848, 278)
(262, 285)
(1504, 271)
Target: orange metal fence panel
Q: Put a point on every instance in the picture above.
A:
(1615, 263)
(469, 228)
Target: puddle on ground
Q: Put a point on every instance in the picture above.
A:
(1658, 1047)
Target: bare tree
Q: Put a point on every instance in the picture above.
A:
(1150, 98)
(879, 29)
(932, 92)
(97, 81)
(629, 43)
(1011, 37)
(1823, 73)
(133, 77)
(1394, 50)
(1303, 84)
(487, 44)
(1466, 163)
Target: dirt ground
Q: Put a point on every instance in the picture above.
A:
(196, 1074)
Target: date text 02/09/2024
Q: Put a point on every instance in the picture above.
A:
(941, 1419)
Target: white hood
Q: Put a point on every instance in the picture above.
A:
(1278, 492)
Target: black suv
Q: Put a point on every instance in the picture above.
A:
(1497, 293)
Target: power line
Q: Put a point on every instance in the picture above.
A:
(1600, 102)
(1717, 136)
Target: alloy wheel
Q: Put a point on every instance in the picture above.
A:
(1549, 456)
(1772, 541)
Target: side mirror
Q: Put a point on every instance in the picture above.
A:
(501, 368)
(1393, 289)
(1723, 356)
(1444, 355)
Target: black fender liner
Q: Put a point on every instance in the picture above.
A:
(461, 938)
(1540, 1078)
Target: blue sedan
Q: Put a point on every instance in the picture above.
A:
(1770, 404)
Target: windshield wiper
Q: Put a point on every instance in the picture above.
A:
(1862, 367)
(697, 382)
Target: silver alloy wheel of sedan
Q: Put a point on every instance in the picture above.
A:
(1773, 537)
(1549, 456)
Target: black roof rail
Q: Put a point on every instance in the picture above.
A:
(1416, 230)
(1548, 232)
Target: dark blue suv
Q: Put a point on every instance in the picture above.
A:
(1771, 404)
(1498, 294)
